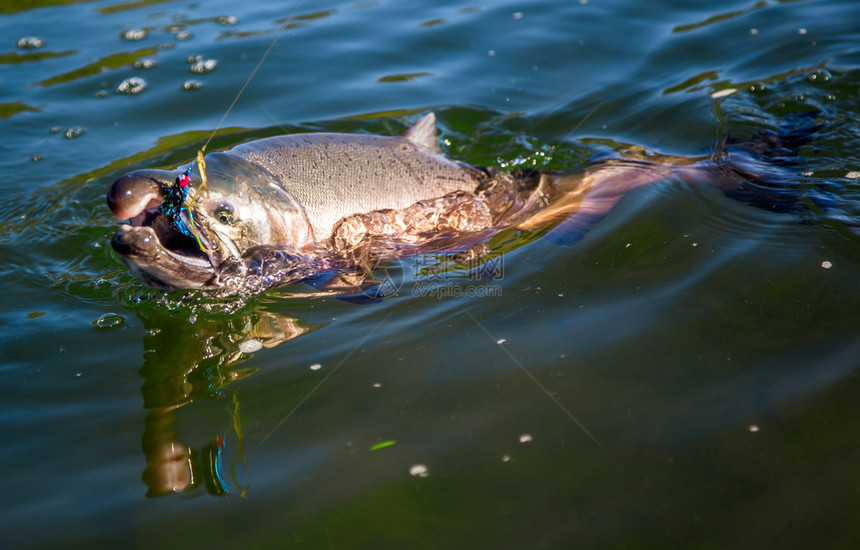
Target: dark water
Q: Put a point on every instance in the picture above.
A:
(684, 376)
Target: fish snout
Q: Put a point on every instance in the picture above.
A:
(138, 191)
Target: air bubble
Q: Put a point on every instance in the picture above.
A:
(134, 34)
(183, 35)
(191, 85)
(145, 63)
(73, 132)
(131, 86)
(202, 66)
(227, 20)
(30, 43)
(109, 320)
(820, 76)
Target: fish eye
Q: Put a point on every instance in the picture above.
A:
(224, 213)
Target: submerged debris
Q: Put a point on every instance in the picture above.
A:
(419, 470)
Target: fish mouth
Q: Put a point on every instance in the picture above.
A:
(163, 257)
(154, 250)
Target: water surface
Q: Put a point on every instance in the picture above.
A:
(683, 376)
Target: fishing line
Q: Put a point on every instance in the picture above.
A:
(575, 128)
(536, 381)
(253, 73)
(325, 379)
(176, 194)
(201, 167)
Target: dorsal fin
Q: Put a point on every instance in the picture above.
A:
(423, 133)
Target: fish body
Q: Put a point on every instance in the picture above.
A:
(283, 209)
(284, 193)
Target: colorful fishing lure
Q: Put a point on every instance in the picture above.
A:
(173, 206)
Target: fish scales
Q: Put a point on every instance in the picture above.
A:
(336, 175)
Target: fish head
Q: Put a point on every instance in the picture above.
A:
(184, 240)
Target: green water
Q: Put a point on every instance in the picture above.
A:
(683, 377)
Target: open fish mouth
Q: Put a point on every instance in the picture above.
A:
(159, 254)
(162, 256)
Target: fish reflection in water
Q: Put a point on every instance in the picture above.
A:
(198, 361)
